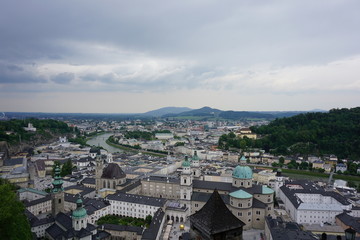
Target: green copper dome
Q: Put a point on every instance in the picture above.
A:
(243, 158)
(267, 190)
(195, 157)
(240, 194)
(243, 172)
(79, 212)
(186, 162)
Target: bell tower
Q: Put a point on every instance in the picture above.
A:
(57, 193)
(98, 171)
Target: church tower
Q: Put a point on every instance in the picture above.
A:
(98, 171)
(186, 183)
(79, 216)
(195, 166)
(57, 193)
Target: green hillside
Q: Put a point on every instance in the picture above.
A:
(13, 131)
(336, 132)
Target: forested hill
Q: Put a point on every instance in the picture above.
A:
(13, 131)
(336, 132)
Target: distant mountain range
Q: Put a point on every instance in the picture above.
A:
(204, 113)
(167, 110)
(210, 113)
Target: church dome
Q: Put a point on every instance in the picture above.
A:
(243, 158)
(113, 171)
(186, 162)
(243, 172)
(79, 212)
(195, 157)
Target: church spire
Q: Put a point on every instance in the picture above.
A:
(58, 182)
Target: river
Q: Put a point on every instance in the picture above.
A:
(100, 140)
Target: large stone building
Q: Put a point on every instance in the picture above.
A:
(249, 202)
(308, 203)
(109, 176)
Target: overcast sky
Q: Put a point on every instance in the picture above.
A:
(135, 56)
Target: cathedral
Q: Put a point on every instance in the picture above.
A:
(249, 202)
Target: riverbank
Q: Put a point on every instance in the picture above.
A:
(128, 149)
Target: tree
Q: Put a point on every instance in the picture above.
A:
(281, 160)
(13, 222)
(148, 219)
(66, 168)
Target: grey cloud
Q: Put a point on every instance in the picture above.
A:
(13, 74)
(63, 78)
(15, 68)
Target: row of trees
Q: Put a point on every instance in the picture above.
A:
(125, 221)
(142, 135)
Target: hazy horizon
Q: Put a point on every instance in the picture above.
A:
(136, 56)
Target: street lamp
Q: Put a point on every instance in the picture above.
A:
(350, 234)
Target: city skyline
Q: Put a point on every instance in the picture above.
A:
(133, 57)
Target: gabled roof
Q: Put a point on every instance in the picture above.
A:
(214, 217)
(113, 171)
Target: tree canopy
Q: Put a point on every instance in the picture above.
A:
(336, 132)
(13, 222)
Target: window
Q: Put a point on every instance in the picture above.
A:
(249, 213)
(184, 180)
(60, 200)
(196, 205)
(257, 212)
(239, 214)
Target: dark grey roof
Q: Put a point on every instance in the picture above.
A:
(120, 228)
(62, 228)
(309, 187)
(204, 197)
(287, 230)
(63, 220)
(55, 231)
(101, 235)
(214, 217)
(350, 221)
(154, 228)
(113, 171)
(95, 150)
(131, 186)
(42, 221)
(86, 159)
(258, 204)
(223, 186)
(88, 180)
(84, 190)
(139, 199)
(37, 201)
(13, 161)
(163, 178)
